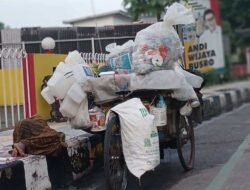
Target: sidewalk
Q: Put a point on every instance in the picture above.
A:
(238, 84)
(40, 172)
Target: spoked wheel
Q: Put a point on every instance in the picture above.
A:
(185, 141)
(114, 163)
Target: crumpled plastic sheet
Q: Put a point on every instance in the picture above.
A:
(104, 89)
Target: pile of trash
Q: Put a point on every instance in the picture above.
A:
(149, 62)
(156, 48)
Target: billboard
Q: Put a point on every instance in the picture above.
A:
(203, 40)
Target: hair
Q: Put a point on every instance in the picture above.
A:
(208, 11)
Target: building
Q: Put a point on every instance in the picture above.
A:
(111, 18)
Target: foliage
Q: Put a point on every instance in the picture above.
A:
(1, 25)
(235, 17)
(211, 78)
(236, 13)
(152, 7)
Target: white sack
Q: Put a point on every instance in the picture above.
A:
(139, 134)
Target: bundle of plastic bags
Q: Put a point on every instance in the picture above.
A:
(159, 46)
(120, 57)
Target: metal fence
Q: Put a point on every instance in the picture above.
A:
(13, 89)
(15, 99)
(81, 38)
(90, 58)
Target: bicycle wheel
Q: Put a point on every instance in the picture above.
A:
(114, 163)
(185, 141)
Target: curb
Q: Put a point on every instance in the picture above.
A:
(84, 152)
(222, 101)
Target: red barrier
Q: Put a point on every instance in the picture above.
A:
(29, 85)
(239, 70)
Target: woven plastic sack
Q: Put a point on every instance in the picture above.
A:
(140, 141)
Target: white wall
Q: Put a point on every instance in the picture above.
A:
(92, 22)
(104, 21)
(119, 20)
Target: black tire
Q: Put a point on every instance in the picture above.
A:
(114, 164)
(185, 141)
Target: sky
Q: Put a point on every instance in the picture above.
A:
(49, 13)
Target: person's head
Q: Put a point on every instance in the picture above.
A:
(209, 19)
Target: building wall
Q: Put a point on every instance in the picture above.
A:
(109, 20)
(104, 21)
(120, 20)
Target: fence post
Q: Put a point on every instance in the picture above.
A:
(93, 45)
(4, 88)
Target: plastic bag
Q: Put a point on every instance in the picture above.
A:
(186, 92)
(120, 57)
(74, 58)
(178, 14)
(72, 101)
(82, 120)
(140, 141)
(159, 44)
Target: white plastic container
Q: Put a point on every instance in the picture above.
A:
(69, 107)
(160, 115)
(59, 84)
(76, 93)
(74, 58)
(53, 81)
(82, 72)
(46, 94)
(63, 68)
(61, 80)
(108, 73)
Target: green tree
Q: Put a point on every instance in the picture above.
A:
(237, 13)
(235, 17)
(152, 7)
(1, 25)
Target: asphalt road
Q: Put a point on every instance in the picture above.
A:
(216, 141)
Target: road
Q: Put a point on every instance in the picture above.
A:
(217, 141)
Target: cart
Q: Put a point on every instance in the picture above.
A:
(178, 134)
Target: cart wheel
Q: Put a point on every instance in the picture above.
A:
(185, 141)
(114, 163)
